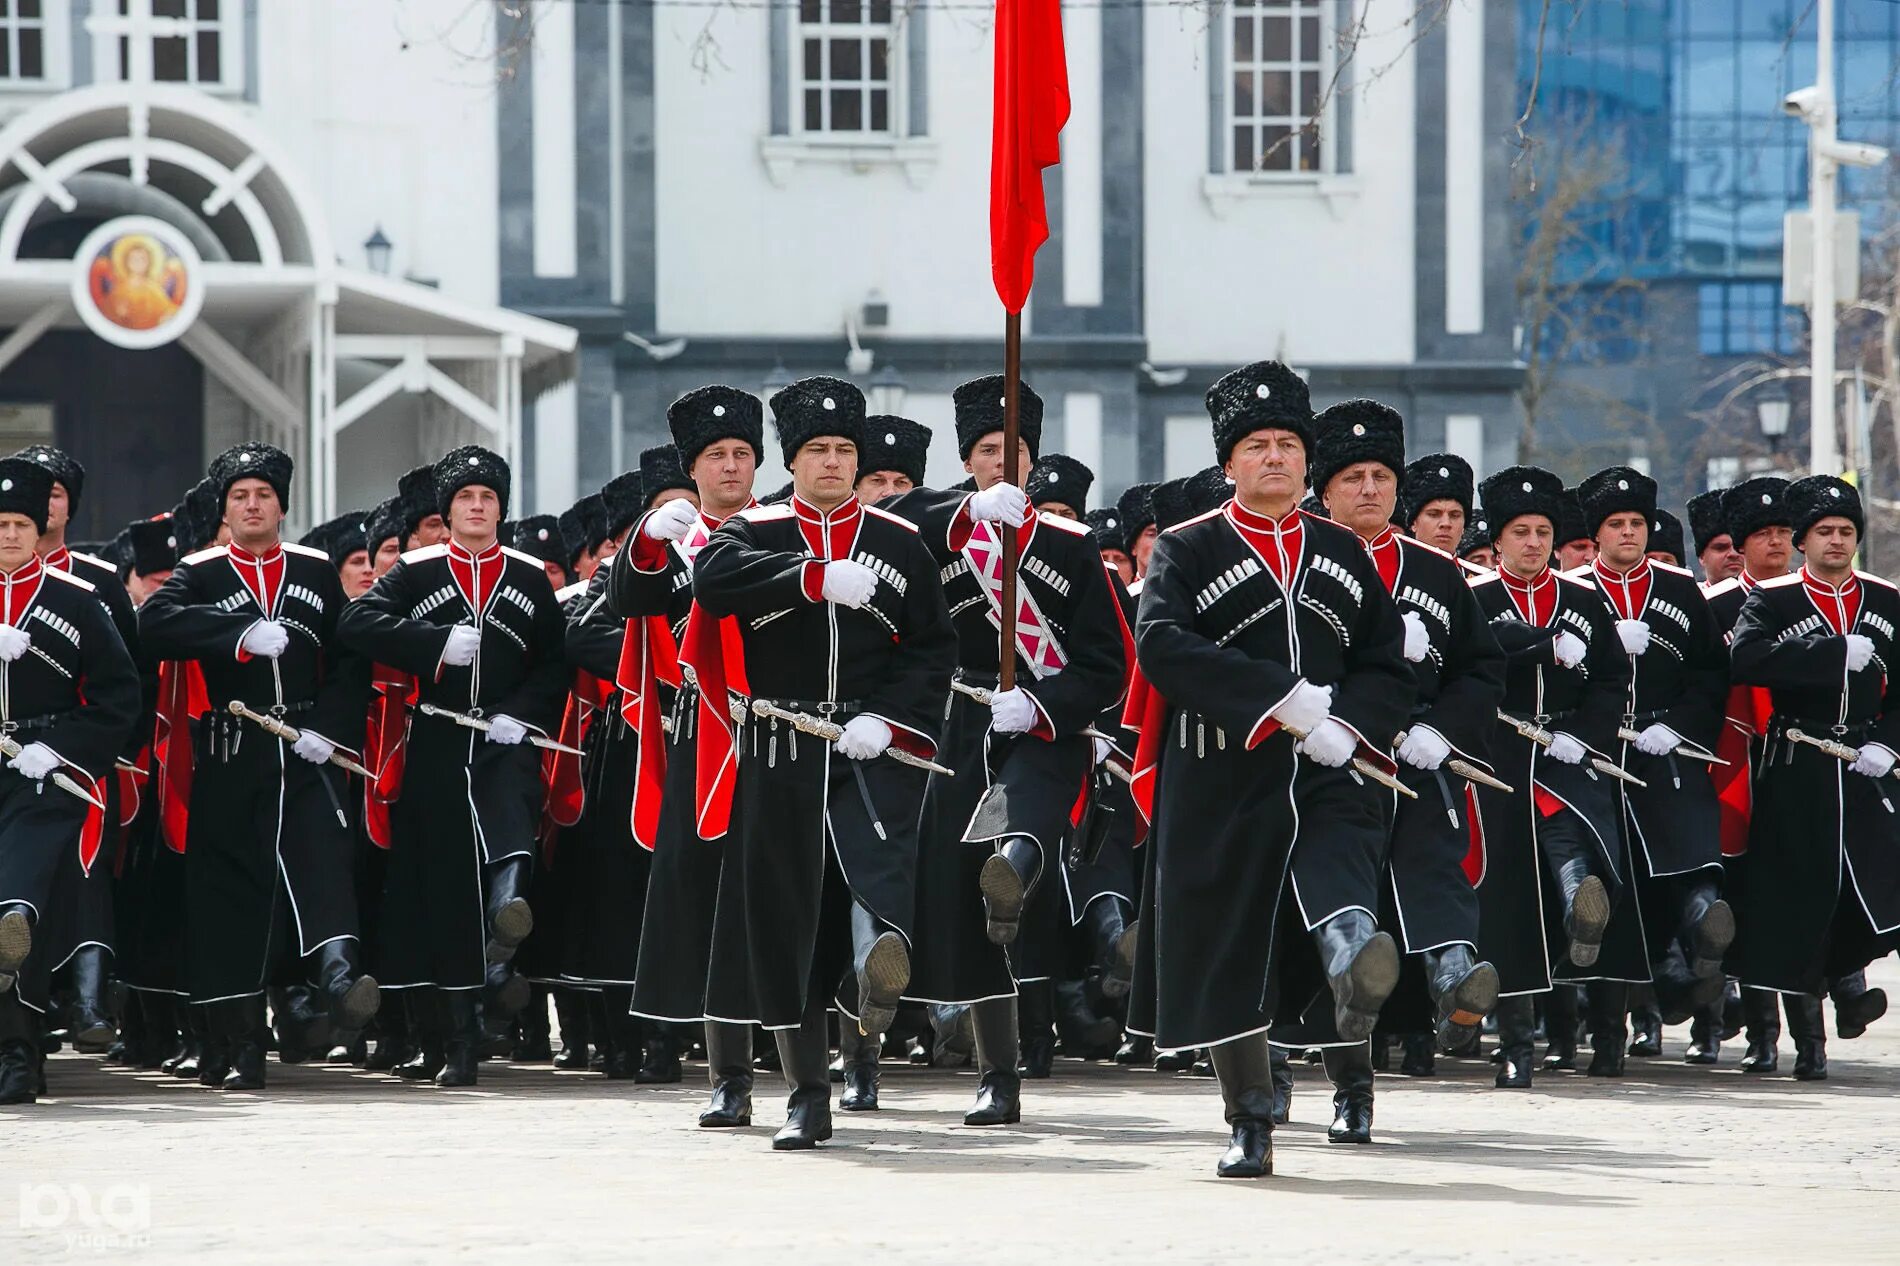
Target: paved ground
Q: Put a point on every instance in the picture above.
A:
(1670, 1164)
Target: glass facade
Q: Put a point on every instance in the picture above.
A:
(1684, 97)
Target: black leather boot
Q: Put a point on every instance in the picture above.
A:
(570, 1011)
(1464, 990)
(881, 960)
(429, 1020)
(1808, 1027)
(87, 1021)
(1761, 1020)
(1006, 878)
(1586, 910)
(159, 1013)
(1280, 1072)
(859, 1055)
(1035, 1013)
(1517, 1022)
(1646, 1023)
(352, 994)
(805, 1056)
(627, 1036)
(16, 938)
(659, 1054)
(1609, 1031)
(460, 1056)
(241, 1021)
(1350, 1070)
(1362, 964)
(1421, 1056)
(999, 1087)
(1135, 1050)
(1708, 928)
(729, 1065)
(1084, 1033)
(214, 1058)
(1244, 1069)
(393, 1043)
(509, 918)
(19, 1051)
(1560, 1029)
(192, 1044)
(532, 1045)
(1855, 1005)
(1114, 939)
(1705, 1039)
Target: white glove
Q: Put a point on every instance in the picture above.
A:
(864, 738)
(849, 584)
(671, 522)
(459, 651)
(1011, 711)
(1424, 748)
(1305, 708)
(1874, 761)
(1103, 749)
(13, 642)
(1417, 640)
(266, 639)
(1635, 635)
(1330, 744)
(506, 730)
(1569, 649)
(35, 761)
(1000, 503)
(1658, 740)
(1860, 651)
(1566, 750)
(314, 748)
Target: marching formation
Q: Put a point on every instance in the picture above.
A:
(1315, 751)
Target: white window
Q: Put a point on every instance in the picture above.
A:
(197, 42)
(1280, 62)
(30, 42)
(847, 69)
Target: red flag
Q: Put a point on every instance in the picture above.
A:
(1032, 104)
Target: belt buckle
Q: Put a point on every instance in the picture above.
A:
(9, 727)
(278, 710)
(476, 713)
(1540, 719)
(1837, 730)
(827, 708)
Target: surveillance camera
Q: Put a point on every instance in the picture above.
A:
(1802, 102)
(1856, 153)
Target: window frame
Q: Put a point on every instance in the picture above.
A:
(1325, 13)
(895, 83)
(55, 27)
(229, 24)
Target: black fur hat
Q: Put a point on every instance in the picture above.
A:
(894, 443)
(593, 508)
(1569, 522)
(471, 466)
(381, 524)
(539, 536)
(660, 471)
(1477, 536)
(1822, 497)
(1178, 500)
(1258, 396)
(980, 409)
(195, 520)
(704, 416)
(339, 537)
(1519, 490)
(1355, 431)
(573, 523)
(67, 472)
(1755, 504)
(25, 488)
(1665, 536)
(253, 461)
(1105, 525)
(777, 496)
(1311, 504)
(626, 501)
(416, 493)
(1705, 518)
(1615, 490)
(149, 546)
(812, 407)
(1136, 505)
(1059, 477)
(1434, 477)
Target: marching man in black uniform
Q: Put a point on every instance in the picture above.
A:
(268, 855)
(478, 627)
(1272, 659)
(1435, 500)
(68, 698)
(1459, 669)
(1678, 686)
(1565, 691)
(1822, 893)
(1020, 755)
(718, 432)
(845, 649)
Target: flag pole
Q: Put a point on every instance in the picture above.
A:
(1012, 446)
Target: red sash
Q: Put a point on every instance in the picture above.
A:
(648, 660)
(385, 748)
(1747, 716)
(715, 653)
(181, 700)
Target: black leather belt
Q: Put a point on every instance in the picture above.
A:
(823, 709)
(1858, 732)
(1540, 719)
(977, 677)
(27, 725)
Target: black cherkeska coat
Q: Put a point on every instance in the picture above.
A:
(781, 933)
(1822, 891)
(1224, 643)
(1520, 911)
(466, 802)
(261, 816)
(76, 691)
(1023, 785)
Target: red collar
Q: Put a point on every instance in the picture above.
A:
(1748, 581)
(17, 590)
(1535, 583)
(828, 535)
(241, 555)
(1846, 589)
(62, 558)
(29, 570)
(461, 554)
(1640, 572)
(1251, 521)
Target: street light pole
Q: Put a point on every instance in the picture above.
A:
(1824, 456)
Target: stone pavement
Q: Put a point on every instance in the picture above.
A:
(1669, 1164)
